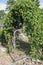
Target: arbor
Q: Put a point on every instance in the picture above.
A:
(27, 13)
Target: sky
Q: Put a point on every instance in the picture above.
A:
(3, 4)
(41, 3)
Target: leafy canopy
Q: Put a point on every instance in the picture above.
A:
(27, 13)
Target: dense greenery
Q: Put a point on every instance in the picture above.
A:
(31, 16)
(2, 14)
(36, 2)
(10, 3)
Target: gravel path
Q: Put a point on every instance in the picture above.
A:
(5, 59)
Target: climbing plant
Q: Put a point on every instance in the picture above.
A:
(27, 13)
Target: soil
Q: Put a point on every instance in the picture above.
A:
(6, 59)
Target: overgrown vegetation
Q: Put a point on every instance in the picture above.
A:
(31, 16)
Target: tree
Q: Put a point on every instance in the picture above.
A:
(10, 3)
(27, 13)
(21, 12)
(36, 2)
(2, 14)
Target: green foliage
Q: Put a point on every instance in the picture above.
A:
(35, 30)
(27, 13)
(36, 2)
(0, 34)
(2, 14)
(31, 16)
(10, 3)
